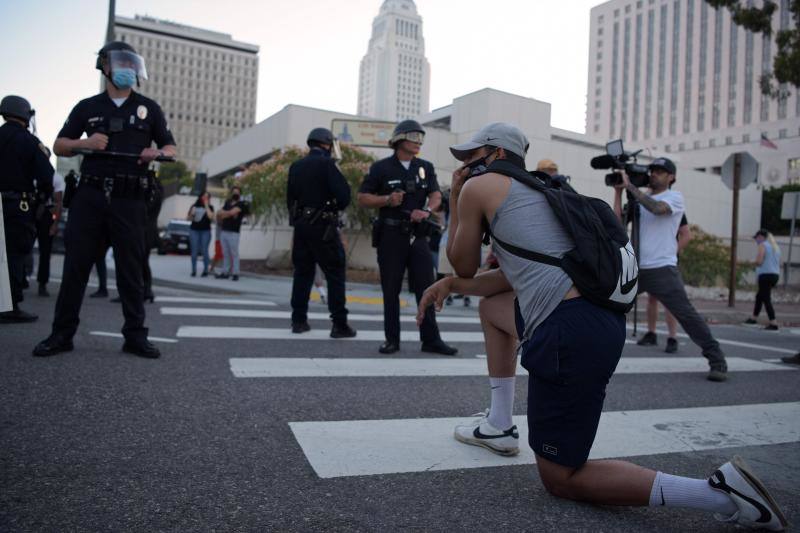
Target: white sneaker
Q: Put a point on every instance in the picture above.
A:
(757, 509)
(481, 433)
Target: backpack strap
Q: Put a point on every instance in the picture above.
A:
(526, 254)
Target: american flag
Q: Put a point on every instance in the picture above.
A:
(766, 143)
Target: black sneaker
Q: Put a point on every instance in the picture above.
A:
(342, 331)
(718, 372)
(771, 327)
(749, 321)
(672, 345)
(221, 275)
(235, 277)
(300, 327)
(648, 339)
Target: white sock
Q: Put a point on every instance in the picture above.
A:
(677, 491)
(502, 406)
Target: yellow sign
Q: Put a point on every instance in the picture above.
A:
(373, 133)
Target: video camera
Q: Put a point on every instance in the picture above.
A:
(618, 159)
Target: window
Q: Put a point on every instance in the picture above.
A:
(728, 140)
(712, 143)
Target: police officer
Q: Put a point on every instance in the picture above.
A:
(400, 186)
(315, 194)
(108, 206)
(25, 175)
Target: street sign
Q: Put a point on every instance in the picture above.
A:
(370, 133)
(789, 208)
(748, 172)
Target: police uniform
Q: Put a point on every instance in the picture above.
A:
(25, 173)
(400, 244)
(109, 207)
(316, 191)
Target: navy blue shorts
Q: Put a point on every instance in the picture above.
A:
(570, 358)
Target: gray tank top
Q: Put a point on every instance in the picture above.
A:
(525, 219)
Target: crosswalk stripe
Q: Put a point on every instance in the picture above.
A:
(121, 336)
(296, 367)
(371, 447)
(220, 332)
(734, 343)
(257, 313)
(217, 301)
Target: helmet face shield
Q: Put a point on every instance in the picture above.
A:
(124, 59)
(413, 136)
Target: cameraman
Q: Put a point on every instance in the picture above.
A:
(570, 346)
(659, 216)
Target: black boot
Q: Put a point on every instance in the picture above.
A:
(142, 348)
(438, 346)
(300, 327)
(342, 331)
(52, 345)
(389, 347)
(17, 316)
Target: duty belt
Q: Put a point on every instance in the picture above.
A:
(25, 198)
(119, 185)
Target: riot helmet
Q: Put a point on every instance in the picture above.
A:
(320, 136)
(17, 107)
(125, 66)
(407, 130)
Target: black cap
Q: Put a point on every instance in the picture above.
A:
(761, 233)
(17, 107)
(666, 164)
(320, 135)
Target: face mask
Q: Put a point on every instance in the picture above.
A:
(235, 197)
(478, 166)
(123, 78)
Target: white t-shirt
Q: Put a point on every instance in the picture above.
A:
(406, 164)
(58, 182)
(658, 244)
(119, 101)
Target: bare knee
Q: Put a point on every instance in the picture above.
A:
(557, 480)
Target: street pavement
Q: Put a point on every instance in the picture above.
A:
(242, 426)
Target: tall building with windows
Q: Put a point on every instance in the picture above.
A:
(679, 76)
(205, 81)
(394, 78)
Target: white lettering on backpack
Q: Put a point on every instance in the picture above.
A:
(627, 283)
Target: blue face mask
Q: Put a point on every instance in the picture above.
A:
(123, 78)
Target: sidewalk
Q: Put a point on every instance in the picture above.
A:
(173, 271)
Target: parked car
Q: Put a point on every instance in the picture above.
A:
(175, 238)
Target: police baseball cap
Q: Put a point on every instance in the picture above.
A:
(664, 163)
(499, 134)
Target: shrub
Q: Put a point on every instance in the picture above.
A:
(705, 262)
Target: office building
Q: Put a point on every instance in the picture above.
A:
(205, 81)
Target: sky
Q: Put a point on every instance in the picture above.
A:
(311, 49)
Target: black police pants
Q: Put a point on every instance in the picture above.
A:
(309, 249)
(43, 225)
(92, 225)
(396, 252)
(20, 234)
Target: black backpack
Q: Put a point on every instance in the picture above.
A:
(603, 264)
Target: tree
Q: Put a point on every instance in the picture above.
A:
(266, 182)
(771, 203)
(786, 65)
(176, 172)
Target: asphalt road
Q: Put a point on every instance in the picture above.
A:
(97, 440)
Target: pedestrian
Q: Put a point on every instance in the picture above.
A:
(658, 216)
(404, 189)
(316, 191)
(768, 269)
(151, 238)
(201, 214)
(109, 205)
(650, 338)
(570, 346)
(46, 229)
(230, 219)
(26, 176)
